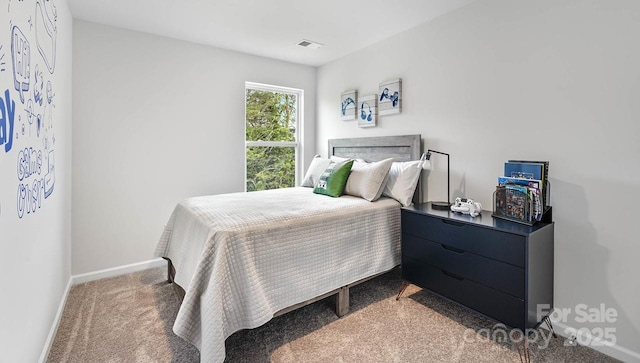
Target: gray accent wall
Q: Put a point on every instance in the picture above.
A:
(542, 80)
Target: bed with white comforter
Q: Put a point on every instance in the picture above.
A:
(242, 257)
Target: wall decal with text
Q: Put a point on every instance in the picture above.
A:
(27, 106)
(7, 114)
(21, 56)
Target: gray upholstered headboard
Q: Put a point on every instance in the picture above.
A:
(401, 148)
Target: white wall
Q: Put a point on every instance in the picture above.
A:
(543, 80)
(35, 192)
(155, 121)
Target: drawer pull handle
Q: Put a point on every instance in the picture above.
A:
(456, 224)
(452, 249)
(452, 275)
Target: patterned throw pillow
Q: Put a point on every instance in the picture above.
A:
(333, 179)
(317, 166)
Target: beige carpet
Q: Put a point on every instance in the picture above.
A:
(129, 319)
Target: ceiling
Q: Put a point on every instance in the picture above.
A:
(269, 28)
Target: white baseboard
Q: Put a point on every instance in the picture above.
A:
(92, 276)
(615, 351)
(117, 271)
(54, 325)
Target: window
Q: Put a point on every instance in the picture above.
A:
(273, 119)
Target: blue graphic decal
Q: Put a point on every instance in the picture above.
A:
(31, 116)
(30, 197)
(38, 86)
(50, 177)
(7, 113)
(21, 56)
(35, 27)
(46, 31)
(29, 163)
(2, 62)
(30, 193)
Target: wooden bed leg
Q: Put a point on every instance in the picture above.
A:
(342, 301)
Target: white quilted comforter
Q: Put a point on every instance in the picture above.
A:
(242, 257)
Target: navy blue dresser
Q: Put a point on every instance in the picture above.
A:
(498, 268)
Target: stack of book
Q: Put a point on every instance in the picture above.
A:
(522, 193)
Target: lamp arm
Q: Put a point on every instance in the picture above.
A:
(429, 151)
(434, 151)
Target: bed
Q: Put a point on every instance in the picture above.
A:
(243, 258)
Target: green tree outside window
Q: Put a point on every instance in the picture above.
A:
(271, 129)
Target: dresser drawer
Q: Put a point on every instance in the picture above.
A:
(490, 302)
(495, 274)
(498, 245)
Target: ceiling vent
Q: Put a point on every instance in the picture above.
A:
(309, 44)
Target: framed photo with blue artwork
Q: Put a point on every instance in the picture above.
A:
(349, 108)
(390, 97)
(368, 111)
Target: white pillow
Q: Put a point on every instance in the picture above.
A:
(367, 179)
(317, 166)
(402, 181)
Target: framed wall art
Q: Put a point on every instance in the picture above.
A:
(368, 111)
(390, 97)
(349, 104)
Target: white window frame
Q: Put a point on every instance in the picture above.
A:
(297, 145)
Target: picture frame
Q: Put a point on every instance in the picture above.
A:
(368, 111)
(349, 105)
(390, 97)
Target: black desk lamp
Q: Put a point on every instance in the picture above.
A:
(447, 204)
